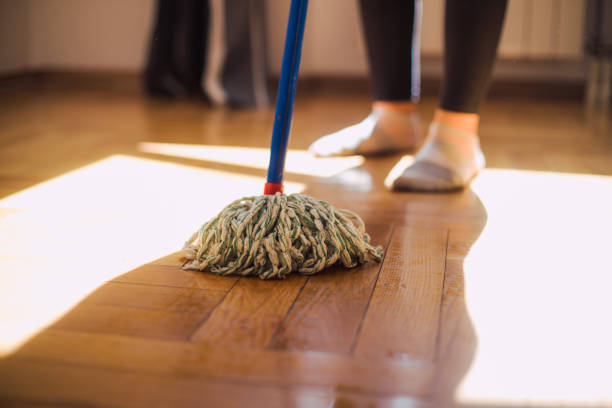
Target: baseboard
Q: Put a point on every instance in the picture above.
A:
(512, 78)
(124, 81)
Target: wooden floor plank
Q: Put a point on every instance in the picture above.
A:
(12, 402)
(66, 385)
(173, 259)
(221, 362)
(403, 316)
(251, 312)
(86, 386)
(132, 321)
(457, 336)
(329, 309)
(170, 299)
(172, 275)
(283, 343)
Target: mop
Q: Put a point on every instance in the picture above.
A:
(275, 234)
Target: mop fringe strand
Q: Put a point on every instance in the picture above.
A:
(272, 236)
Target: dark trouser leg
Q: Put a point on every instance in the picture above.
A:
(472, 30)
(244, 75)
(159, 62)
(392, 38)
(190, 42)
(177, 48)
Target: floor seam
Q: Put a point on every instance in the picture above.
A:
(442, 297)
(164, 286)
(284, 319)
(195, 329)
(367, 307)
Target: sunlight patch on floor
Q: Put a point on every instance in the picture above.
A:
(61, 239)
(538, 290)
(297, 162)
(398, 169)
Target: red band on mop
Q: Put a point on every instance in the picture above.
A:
(273, 188)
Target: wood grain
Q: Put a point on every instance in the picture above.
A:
(166, 275)
(224, 362)
(86, 386)
(329, 309)
(132, 321)
(457, 339)
(69, 385)
(403, 317)
(170, 299)
(173, 259)
(251, 312)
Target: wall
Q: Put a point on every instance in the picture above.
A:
(113, 34)
(333, 42)
(89, 34)
(14, 35)
(534, 30)
(74, 34)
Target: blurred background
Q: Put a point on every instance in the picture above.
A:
(543, 40)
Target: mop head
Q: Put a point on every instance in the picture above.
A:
(272, 236)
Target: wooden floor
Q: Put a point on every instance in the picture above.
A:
(116, 329)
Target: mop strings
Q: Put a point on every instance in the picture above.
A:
(272, 236)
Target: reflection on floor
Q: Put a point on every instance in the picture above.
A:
(492, 296)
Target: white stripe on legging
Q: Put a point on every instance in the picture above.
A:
(215, 53)
(415, 91)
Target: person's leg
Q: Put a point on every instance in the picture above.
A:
(176, 52)
(159, 78)
(189, 43)
(451, 155)
(391, 31)
(243, 76)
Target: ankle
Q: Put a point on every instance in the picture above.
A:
(467, 122)
(406, 107)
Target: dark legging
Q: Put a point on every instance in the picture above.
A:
(471, 33)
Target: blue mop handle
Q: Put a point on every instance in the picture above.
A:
(286, 95)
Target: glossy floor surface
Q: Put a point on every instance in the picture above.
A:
(494, 296)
